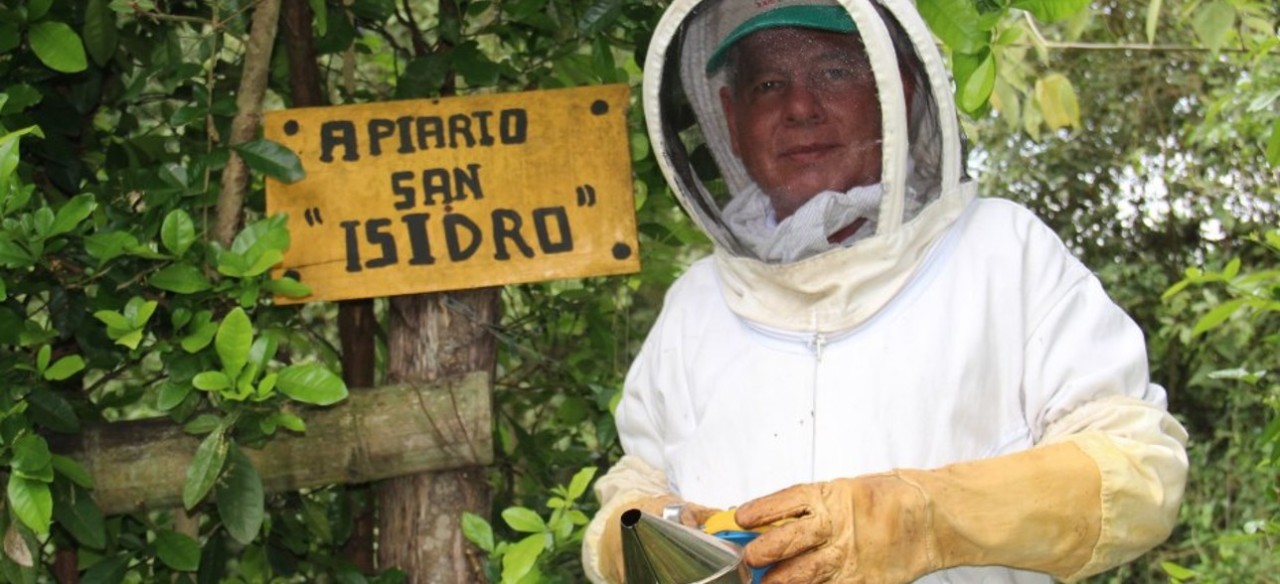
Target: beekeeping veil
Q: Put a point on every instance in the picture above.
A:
(786, 273)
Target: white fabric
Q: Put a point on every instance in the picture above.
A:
(808, 230)
(629, 480)
(1002, 340)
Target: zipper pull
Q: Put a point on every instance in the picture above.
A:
(816, 344)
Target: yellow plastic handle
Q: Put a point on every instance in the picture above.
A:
(724, 521)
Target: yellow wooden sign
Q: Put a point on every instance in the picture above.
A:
(464, 192)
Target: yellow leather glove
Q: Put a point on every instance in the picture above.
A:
(691, 515)
(1036, 510)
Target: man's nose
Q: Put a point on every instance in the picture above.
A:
(804, 104)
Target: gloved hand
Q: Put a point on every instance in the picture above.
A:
(691, 515)
(1038, 510)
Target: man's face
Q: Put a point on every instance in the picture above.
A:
(803, 114)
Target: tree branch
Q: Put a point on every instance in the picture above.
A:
(253, 85)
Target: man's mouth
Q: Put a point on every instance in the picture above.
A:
(808, 153)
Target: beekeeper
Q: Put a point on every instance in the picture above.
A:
(926, 384)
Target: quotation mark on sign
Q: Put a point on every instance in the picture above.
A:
(312, 216)
(586, 196)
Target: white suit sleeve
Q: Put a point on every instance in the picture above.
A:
(629, 480)
(1087, 379)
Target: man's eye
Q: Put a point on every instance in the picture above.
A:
(767, 86)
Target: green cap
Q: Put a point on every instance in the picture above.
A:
(821, 17)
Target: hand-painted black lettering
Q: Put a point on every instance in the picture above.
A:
(338, 133)
(506, 225)
(513, 126)
(435, 181)
(419, 243)
(403, 191)
(468, 179)
(379, 128)
(540, 217)
(375, 234)
(403, 127)
(460, 127)
(353, 245)
(452, 223)
(482, 121)
(430, 128)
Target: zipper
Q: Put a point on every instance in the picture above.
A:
(816, 345)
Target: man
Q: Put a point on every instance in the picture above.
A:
(907, 382)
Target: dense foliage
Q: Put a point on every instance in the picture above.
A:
(117, 302)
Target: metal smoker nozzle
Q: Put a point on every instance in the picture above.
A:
(655, 551)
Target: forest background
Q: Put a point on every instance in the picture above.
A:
(134, 284)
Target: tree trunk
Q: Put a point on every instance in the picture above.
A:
(430, 336)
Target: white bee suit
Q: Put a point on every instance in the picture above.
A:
(961, 330)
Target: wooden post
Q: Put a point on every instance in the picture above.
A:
(434, 335)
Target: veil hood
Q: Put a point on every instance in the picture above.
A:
(922, 189)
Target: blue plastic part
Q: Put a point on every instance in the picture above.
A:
(742, 538)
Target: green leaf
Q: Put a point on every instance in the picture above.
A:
(321, 15)
(1217, 316)
(272, 159)
(477, 531)
(50, 410)
(1213, 23)
(202, 333)
(204, 469)
(139, 311)
(178, 232)
(68, 467)
(32, 502)
(36, 9)
(981, 81)
(523, 519)
(171, 395)
(108, 245)
(31, 457)
(42, 358)
(14, 255)
(1051, 10)
(288, 287)
(72, 213)
(100, 35)
(1153, 19)
(1273, 145)
(311, 383)
(1176, 571)
(1058, 101)
(291, 422)
(521, 557)
(76, 512)
(233, 341)
(264, 262)
(64, 368)
(599, 16)
(211, 381)
(177, 551)
(107, 571)
(957, 23)
(240, 498)
(202, 424)
(58, 46)
(181, 278)
(10, 38)
(578, 485)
